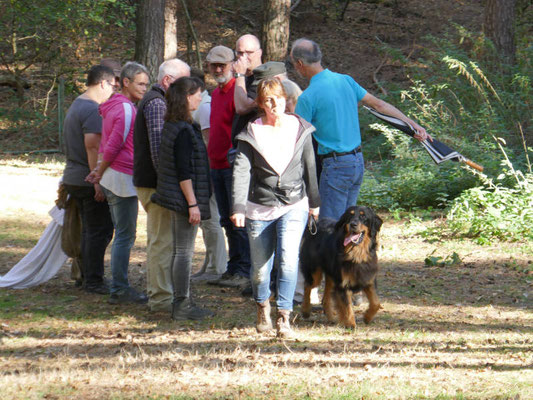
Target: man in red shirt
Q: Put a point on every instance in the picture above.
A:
(220, 60)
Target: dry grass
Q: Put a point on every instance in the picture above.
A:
(463, 331)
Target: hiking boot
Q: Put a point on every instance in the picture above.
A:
(97, 288)
(128, 296)
(283, 326)
(224, 276)
(235, 281)
(186, 309)
(247, 291)
(264, 323)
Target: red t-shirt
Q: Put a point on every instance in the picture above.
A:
(221, 119)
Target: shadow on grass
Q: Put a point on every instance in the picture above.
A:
(228, 354)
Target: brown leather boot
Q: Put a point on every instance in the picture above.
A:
(283, 326)
(264, 323)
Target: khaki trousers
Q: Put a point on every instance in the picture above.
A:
(159, 247)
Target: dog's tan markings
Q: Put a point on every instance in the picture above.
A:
(359, 253)
(344, 307)
(348, 279)
(306, 304)
(373, 303)
(328, 301)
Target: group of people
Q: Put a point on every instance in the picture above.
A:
(241, 161)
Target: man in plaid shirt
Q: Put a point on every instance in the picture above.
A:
(147, 139)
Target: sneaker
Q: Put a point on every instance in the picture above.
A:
(130, 295)
(226, 275)
(234, 281)
(98, 288)
(186, 309)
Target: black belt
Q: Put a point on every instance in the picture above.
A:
(335, 154)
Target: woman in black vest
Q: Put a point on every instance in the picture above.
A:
(184, 187)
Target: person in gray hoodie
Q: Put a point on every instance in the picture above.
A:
(274, 191)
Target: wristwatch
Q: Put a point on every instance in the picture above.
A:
(238, 75)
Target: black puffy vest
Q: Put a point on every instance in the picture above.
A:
(144, 173)
(168, 192)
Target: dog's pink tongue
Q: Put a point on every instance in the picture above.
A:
(353, 238)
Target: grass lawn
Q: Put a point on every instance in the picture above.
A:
(462, 331)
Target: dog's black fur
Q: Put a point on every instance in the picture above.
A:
(345, 251)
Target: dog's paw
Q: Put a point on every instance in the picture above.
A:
(368, 317)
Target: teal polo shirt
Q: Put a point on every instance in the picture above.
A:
(330, 104)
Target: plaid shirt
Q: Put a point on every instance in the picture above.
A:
(154, 112)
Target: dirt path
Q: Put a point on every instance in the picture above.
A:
(462, 331)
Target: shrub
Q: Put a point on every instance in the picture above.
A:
(494, 211)
(464, 96)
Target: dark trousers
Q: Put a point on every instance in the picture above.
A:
(97, 232)
(238, 246)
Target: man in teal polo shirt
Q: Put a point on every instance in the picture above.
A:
(330, 103)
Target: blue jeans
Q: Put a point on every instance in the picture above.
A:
(238, 247)
(268, 238)
(340, 182)
(124, 215)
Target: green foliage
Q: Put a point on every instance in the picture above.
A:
(464, 96)
(449, 260)
(493, 211)
(38, 31)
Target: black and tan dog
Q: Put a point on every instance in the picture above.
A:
(345, 251)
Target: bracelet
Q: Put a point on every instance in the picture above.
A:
(193, 205)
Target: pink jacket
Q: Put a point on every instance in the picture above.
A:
(118, 115)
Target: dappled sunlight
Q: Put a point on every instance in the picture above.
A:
(442, 329)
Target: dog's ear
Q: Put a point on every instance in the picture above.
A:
(375, 225)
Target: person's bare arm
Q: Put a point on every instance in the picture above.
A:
(188, 192)
(205, 135)
(386, 108)
(92, 143)
(243, 104)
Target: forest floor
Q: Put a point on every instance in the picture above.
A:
(462, 331)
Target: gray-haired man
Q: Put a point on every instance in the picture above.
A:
(147, 140)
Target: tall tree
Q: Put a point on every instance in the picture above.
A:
(499, 26)
(171, 29)
(275, 30)
(150, 39)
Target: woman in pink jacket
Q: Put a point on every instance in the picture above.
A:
(115, 175)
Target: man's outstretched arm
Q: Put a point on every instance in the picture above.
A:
(386, 108)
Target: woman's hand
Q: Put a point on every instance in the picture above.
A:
(238, 220)
(313, 212)
(194, 215)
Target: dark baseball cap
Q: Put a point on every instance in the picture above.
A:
(268, 70)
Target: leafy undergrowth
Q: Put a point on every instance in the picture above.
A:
(457, 330)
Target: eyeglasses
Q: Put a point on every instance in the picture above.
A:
(218, 65)
(113, 84)
(247, 52)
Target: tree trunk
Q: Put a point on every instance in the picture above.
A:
(149, 42)
(275, 32)
(499, 26)
(171, 29)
